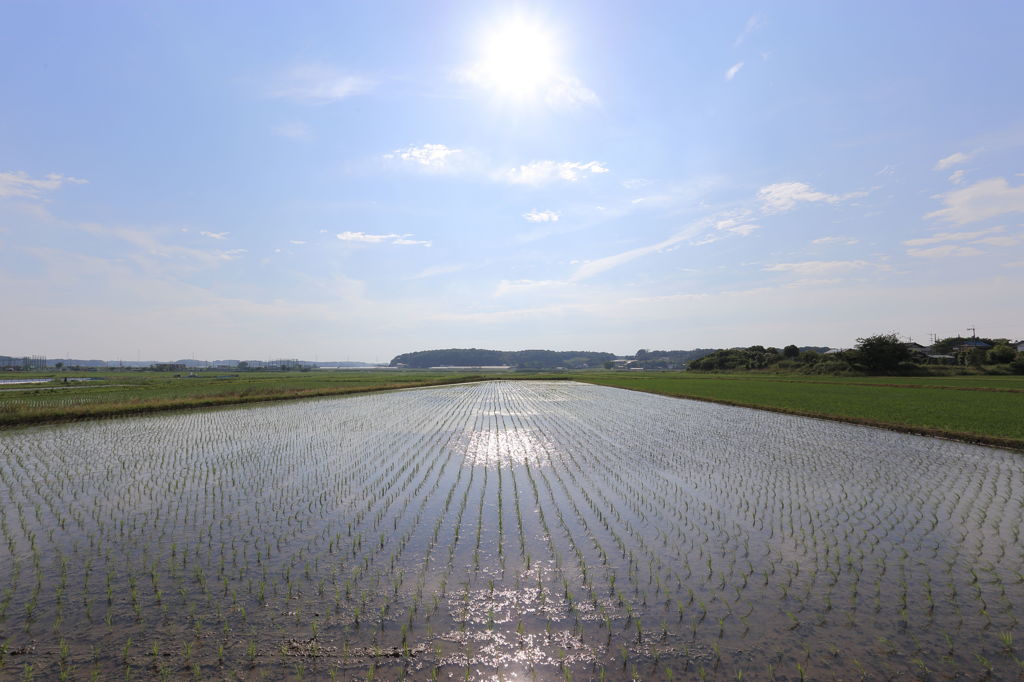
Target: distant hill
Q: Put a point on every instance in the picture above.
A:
(479, 357)
(668, 359)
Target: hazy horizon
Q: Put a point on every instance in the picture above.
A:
(247, 180)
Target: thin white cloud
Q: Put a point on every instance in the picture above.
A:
(595, 267)
(957, 177)
(1002, 242)
(19, 184)
(984, 199)
(155, 256)
(733, 70)
(427, 156)
(396, 239)
(653, 200)
(215, 235)
(736, 226)
(945, 251)
(536, 216)
(818, 267)
(953, 237)
(297, 242)
(784, 196)
(319, 83)
(953, 159)
(849, 241)
(541, 172)
(753, 23)
(367, 238)
(521, 286)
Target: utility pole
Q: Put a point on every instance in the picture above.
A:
(973, 331)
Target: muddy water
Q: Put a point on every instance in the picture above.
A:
(506, 530)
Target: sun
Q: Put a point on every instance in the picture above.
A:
(519, 58)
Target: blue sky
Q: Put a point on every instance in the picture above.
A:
(357, 180)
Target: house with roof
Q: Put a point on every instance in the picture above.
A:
(967, 345)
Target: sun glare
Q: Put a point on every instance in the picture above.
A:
(518, 59)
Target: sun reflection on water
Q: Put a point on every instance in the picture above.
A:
(507, 446)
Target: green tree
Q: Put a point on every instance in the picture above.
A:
(1017, 366)
(882, 352)
(1001, 354)
(791, 351)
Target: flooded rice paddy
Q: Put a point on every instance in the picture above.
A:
(506, 530)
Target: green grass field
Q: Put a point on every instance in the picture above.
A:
(982, 409)
(122, 392)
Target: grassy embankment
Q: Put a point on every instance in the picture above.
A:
(111, 394)
(979, 409)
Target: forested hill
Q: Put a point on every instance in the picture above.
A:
(479, 357)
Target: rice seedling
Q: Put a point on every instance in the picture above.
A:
(349, 523)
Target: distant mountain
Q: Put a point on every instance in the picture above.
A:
(479, 357)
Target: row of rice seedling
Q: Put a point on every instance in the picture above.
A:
(541, 528)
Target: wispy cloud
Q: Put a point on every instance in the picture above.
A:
(1005, 241)
(736, 226)
(155, 255)
(984, 199)
(753, 23)
(396, 239)
(536, 216)
(954, 159)
(818, 267)
(848, 241)
(957, 177)
(541, 172)
(319, 83)
(19, 184)
(215, 235)
(522, 286)
(595, 267)
(733, 70)
(427, 156)
(784, 196)
(945, 251)
(953, 236)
